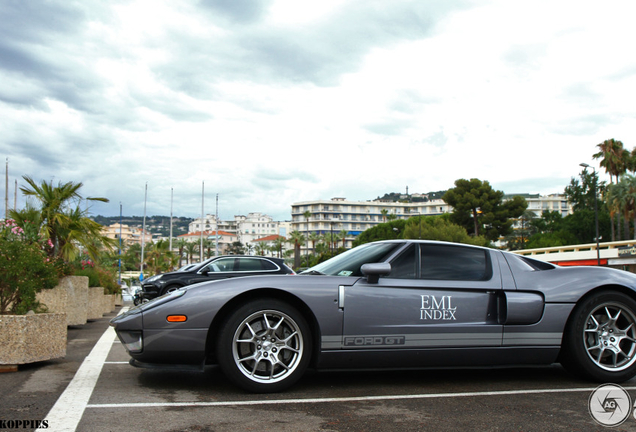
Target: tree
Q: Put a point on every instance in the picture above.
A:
(520, 235)
(181, 245)
(480, 209)
(190, 249)
(581, 193)
(277, 246)
(65, 225)
(614, 158)
(297, 239)
(439, 228)
(236, 248)
(384, 231)
(343, 236)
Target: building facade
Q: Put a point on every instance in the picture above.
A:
(338, 214)
(246, 229)
(129, 235)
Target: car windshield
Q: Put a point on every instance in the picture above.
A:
(349, 263)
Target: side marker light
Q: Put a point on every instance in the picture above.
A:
(176, 318)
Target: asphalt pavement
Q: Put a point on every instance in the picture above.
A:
(94, 389)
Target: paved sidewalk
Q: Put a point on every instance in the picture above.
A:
(29, 394)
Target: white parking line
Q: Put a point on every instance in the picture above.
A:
(344, 399)
(69, 408)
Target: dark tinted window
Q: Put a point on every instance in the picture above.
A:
(221, 265)
(255, 264)
(405, 265)
(442, 262)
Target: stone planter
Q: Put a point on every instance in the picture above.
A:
(70, 296)
(109, 303)
(119, 301)
(31, 338)
(95, 302)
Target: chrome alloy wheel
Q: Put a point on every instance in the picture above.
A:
(610, 337)
(267, 346)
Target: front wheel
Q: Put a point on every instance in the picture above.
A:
(264, 346)
(600, 341)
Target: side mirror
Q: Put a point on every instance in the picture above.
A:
(375, 270)
(205, 271)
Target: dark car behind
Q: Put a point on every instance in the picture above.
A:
(215, 268)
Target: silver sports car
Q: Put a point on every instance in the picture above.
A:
(394, 304)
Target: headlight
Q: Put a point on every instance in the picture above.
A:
(132, 340)
(153, 278)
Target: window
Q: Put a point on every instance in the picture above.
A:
(220, 265)
(405, 265)
(441, 262)
(255, 264)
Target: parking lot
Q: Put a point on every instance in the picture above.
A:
(94, 389)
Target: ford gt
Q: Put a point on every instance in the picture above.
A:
(394, 304)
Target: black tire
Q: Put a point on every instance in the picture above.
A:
(264, 346)
(600, 339)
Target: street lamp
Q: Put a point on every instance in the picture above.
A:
(598, 251)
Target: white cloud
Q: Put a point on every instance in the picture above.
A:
(271, 103)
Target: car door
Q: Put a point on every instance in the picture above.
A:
(221, 268)
(436, 296)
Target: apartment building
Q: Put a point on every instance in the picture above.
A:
(338, 214)
(128, 235)
(247, 229)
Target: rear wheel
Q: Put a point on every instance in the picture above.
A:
(264, 346)
(600, 340)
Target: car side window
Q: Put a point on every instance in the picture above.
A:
(405, 265)
(442, 262)
(221, 265)
(255, 265)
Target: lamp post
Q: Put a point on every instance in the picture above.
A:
(598, 251)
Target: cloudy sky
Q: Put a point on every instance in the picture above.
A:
(271, 102)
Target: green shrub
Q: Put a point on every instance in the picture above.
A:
(100, 277)
(24, 270)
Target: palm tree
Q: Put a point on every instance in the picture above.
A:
(314, 237)
(190, 249)
(343, 236)
(277, 246)
(159, 258)
(297, 239)
(307, 215)
(181, 245)
(614, 158)
(260, 248)
(622, 196)
(73, 228)
(54, 203)
(384, 212)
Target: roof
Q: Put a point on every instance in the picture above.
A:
(269, 238)
(206, 233)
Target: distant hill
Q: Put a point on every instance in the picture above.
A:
(418, 197)
(159, 225)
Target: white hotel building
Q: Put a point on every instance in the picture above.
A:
(247, 229)
(338, 214)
